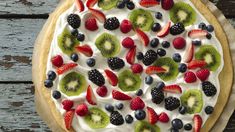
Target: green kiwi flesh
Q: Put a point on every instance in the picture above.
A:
(144, 126)
(107, 4)
(127, 81)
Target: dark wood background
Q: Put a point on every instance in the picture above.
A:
(20, 22)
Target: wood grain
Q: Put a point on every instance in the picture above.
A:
(227, 6)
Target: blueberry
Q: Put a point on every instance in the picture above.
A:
(165, 44)
(74, 32)
(148, 80)
(109, 107)
(209, 110)
(161, 52)
(177, 123)
(174, 130)
(74, 57)
(119, 106)
(160, 85)
(182, 110)
(156, 27)
(51, 75)
(90, 62)
(188, 127)
(154, 42)
(208, 36)
(140, 114)
(48, 83)
(158, 15)
(210, 28)
(139, 92)
(176, 57)
(130, 5)
(56, 94)
(197, 42)
(129, 119)
(120, 4)
(140, 55)
(80, 37)
(202, 26)
(126, 1)
(182, 67)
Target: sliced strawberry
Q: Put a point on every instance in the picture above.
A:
(98, 14)
(203, 74)
(197, 33)
(125, 26)
(188, 55)
(91, 24)
(165, 30)
(137, 68)
(113, 79)
(90, 97)
(163, 117)
(81, 109)
(85, 49)
(197, 123)
(173, 89)
(130, 56)
(149, 3)
(167, 4)
(154, 69)
(190, 77)
(128, 43)
(68, 118)
(91, 3)
(152, 115)
(57, 61)
(67, 104)
(142, 36)
(79, 5)
(196, 64)
(102, 91)
(120, 96)
(137, 104)
(65, 67)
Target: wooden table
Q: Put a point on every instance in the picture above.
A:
(21, 21)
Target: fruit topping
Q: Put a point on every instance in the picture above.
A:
(56, 94)
(144, 126)
(177, 29)
(115, 63)
(98, 14)
(91, 24)
(148, 3)
(130, 5)
(167, 4)
(202, 26)
(152, 115)
(196, 64)
(107, 4)
(165, 30)
(121, 4)
(65, 68)
(148, 80)
(197, 42)
(203, 74)
(68, 118)
(188, 127)
(74, 57)
(90, 62)
(130, 56)
(209, 28)
(177, 123)
(111, 23)
(156, 27)
(81, 37)
(208, 88)
(96, 77)
(158, 15)
(116, 118)
(109, 107)
(112, 78)
(143, 37)
(79, 5)
(163, 117)
(179, 43)
(74, 20)
(137, 104)
(82, 109)
(125, 26)
(154, 70)
(149, 57)
(91, 3)
(154, 42)
(129, 119)
(161, 52)
(127, 81)
(188, 55)
(85, 49)
(173, 89)
(140, 56)
(209, 110)
(172, 103)
(190, 77)
(165, 44)
(120, 96)
(102, 91)
(128, 43)
(119, 106)
(51, 75)
(139, 92)
(137, 68)
(182, 110)
(67, 104)
(90, 96)
(157, 95)
(140, 114)
(182, 68)
(197, 123)
(176, 57)
(197, 33)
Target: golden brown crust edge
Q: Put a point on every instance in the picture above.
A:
(45, 105)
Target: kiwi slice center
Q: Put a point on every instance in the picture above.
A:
(96, 118)
(191, 101)
(167, 68)
(107, 45)
(129, 81)
(140, 20)
(208, 58)
(146, 130)
(71, 86)
(182, 15)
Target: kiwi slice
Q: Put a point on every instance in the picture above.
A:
(210, 55)
(171, 68)
(96, 118)
(192, 100)
(184, 13)
(142, 19)
(127, 81)
(67, 42)
(73, 84)
(144, 126)
(107, 4)
(108, 45)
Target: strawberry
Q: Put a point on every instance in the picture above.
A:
(179, 43)
(81, 109)
(65, 68)
(57, 61)
(91, 24)
(173, 89)
(188, 55)
(113, 79)
(149, 3)
(90, 97)
(136, 68)
(203, 74)
(125, 26)
(85, 49)
(196, 64)
(137, 104)
(68, 118)
(190, 77)
(79, 5)
(143, 37)
(163, 117)
(120, 96)
(152, 115)
(165, 30)
(154, 69)
(128, 43)
(91, 3)
(130, 56)
(98, 14)
(197, 123)
(67, 104)
(197, 33)
(102, 91)
(167, 4)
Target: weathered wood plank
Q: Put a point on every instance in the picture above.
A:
(227, 7)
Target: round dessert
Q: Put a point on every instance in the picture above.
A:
(141, 65)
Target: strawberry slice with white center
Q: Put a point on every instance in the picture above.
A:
(130, 56)
(165, 30)
(91, 3)
(120, 96)
(65, 67)
(173, 89)
(90, 96)
(79, 5)
(149, 3)
(203, 74)
(197, 123)
(98, 14)
(152, 115)
(163, 117)
(85, 49)
(154, 69)
(113, 79)
(197, 33)
(196, 64)
(188, 55)
(68, 118)
(142, 36)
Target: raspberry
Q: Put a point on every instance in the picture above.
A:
(74, 21)
(157, 95)
(172, 103)
(190, 77)
(137, 104)
(136, 68)
(82, 109)
(115, 63)
(208, 88)
(57, 61)
(179, 43)
(111, 23)
(67, 104)
(177, 28)
(126, 26)
(128, 43)
(91, 24)
(116, 118)
(149, 57)
(102, 91)
(96, 77)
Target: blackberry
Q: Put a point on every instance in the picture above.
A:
(111, 23)
(172, 103)
(116, 118)
(115, 63)
(177, 28)
(157, 95)
(96, 77)
(74, 21)
(149, 57)
(208, 88)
